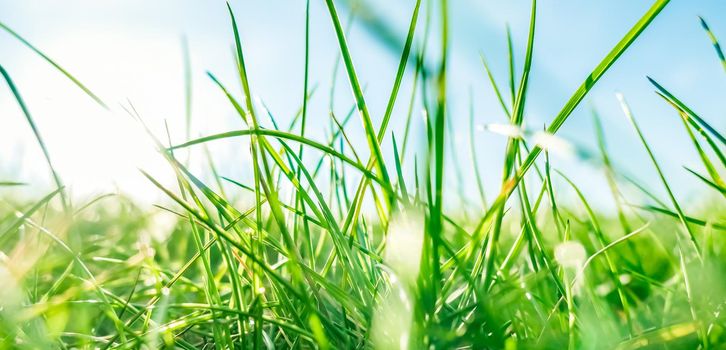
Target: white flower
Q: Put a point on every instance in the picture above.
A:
(160, 226)
(554, 144)
(625, 279)
(11, 296)
(508, 130)
(404, 244)
(604, 289)
(391, 327)
(570, 254)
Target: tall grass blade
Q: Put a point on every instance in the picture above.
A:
(674, 202)
(714, 42)
(31, 122)
(54, 64)
(688, 111)
(574, 101)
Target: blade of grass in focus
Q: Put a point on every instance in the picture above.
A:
(511, 152)
(674, 202)
(569, 107)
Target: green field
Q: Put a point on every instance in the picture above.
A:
(332, 246)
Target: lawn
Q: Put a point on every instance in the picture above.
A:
(334, 246)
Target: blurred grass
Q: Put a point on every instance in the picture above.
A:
(294, 260)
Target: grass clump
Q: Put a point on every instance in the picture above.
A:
(294, 258)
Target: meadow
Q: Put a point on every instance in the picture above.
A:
(333, 246)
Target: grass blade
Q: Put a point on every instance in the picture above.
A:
(674, 202)
(38, 138)
(573, 102)
(358, 94)
(52, 63)
(714, 185)
(688, 111)
(714, 42)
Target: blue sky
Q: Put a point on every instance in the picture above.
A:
(130, 50)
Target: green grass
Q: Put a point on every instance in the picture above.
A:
(362, 255)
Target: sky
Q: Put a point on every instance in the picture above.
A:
(131, 52)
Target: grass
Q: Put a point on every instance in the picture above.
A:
(225, 264)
